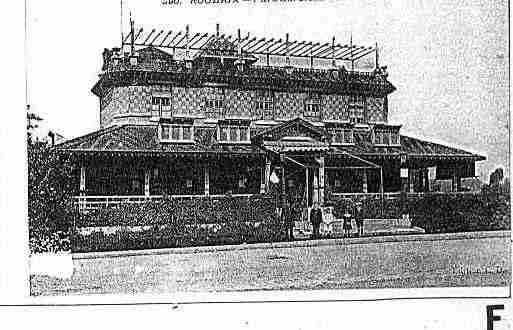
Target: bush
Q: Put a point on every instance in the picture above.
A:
(373, 207)
(176, 235)
(50, 206)
(182, 223)
(446, 213)
(188, 211)
(54, 242)
(459, 213)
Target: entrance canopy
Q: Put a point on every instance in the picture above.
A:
(296, 144)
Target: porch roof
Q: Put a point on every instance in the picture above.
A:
(413, 147)
(143, 139)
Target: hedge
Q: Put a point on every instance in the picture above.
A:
(179, 223)
(444, 213)
(372, 207)
(176, 234)
(204, 210)
(459, 213)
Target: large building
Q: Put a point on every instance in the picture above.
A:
(192, 115)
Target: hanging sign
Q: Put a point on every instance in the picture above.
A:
(404, 173)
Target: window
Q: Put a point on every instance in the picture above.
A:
(214, 103)
(343, 136)
(378, 137)
(180, 179)
(384, 137)
(313, 106)
(233, 134)
(394, 138)
(357, 109)
(177, 132)
(265, 104)
(235, 178)
(161, 106)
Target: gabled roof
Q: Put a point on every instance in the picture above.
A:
(295, 127)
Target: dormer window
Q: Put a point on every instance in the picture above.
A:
(386, 137)
(177, 132)
(161, 106)
(313, 106)
(233, 134)
(265, 104)
(343, 136)
(357, 109)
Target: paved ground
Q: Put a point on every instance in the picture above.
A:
(441, 263)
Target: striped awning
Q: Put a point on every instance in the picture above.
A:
(296, 145)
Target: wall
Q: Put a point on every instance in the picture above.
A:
(237, 103)
(122, 100)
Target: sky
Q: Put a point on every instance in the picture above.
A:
(448, 59)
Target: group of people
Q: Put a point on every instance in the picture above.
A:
(292, 212)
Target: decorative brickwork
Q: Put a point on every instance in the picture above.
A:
(188, 101)
(120, 100)
(376, 109)
(239, 103)
(289, 105)
(335, 107)
(218, 103)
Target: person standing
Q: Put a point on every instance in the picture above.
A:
(316, 219)
(359, 218)
(287, 219)
(347, 223)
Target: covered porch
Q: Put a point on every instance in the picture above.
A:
(111, 179)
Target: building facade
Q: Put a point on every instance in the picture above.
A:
(225, 121)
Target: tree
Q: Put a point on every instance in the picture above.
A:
(497, 176)
(50, 207)
(32, 120)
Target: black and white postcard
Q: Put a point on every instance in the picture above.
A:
(202, 151)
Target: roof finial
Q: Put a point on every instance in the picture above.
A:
(333, 52)
(132, 37)
(351, 48)
(239, 48)
(121, 24)
(377, 56)
(187, 41)
(287, 49)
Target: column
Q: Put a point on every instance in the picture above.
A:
(365, 186)
(262, 180)
(321, 181)
(404, 173)
(267, 173)
(82, 181)
(315, 197)
(426, 180)
(411, 180)
(147, 175)
(456, 182)
(82, 192)
(207, 180)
